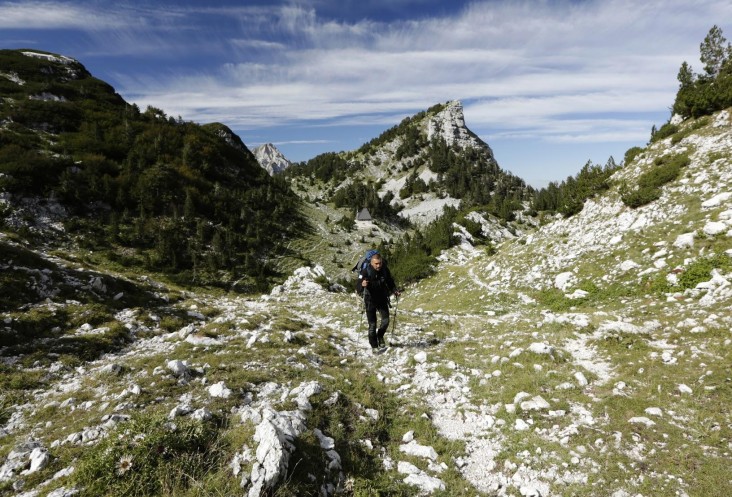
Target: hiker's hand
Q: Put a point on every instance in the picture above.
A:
(397, 293)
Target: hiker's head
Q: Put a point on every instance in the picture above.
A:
(376, 261)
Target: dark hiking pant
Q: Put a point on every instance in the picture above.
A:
(377, 335)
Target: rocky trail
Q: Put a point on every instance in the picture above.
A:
(475, 402)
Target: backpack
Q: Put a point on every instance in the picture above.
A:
(364, 261)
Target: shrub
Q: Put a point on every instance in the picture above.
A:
(701, 270)
(650, 182)
(664, 131)
(640, 197)
(631, 154)
(347, 223)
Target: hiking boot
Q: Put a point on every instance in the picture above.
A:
(382, 343)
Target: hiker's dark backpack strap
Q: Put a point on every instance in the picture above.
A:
(362, 274)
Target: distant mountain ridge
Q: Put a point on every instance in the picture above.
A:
(271, 159)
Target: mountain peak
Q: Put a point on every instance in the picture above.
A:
(271, 159)
(449, 123)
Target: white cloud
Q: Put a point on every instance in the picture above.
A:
(523, 62)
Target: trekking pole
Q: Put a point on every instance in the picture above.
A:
(396, 308)
(363, 310)
(360, 322)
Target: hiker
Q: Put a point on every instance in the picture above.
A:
(376, 285)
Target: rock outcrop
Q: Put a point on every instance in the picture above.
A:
(449, 124)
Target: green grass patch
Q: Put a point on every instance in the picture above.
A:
(14, 378)
(151, 456)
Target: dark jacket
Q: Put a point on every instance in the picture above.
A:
(381, 286)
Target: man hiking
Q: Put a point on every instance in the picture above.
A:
(376, 285)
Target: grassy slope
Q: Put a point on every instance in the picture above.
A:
(676, 339)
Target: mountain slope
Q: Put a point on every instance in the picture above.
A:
(81, 167)
(589, 358)
(602, 340)
(428, 161)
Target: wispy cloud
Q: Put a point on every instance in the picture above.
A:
(55, 15)
(520, 65)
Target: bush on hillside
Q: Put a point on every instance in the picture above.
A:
(631, 154)
(701, 270)
(665, 131)
(650, 182)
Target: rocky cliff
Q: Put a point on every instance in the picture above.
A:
(449, 124)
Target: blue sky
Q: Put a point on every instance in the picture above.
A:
(547, 84)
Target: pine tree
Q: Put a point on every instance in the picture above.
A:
(713, 52)
(685, 76)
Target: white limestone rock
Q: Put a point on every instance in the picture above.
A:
(717, 200)
(407, 468)
(520, 396)
(713, 228)
(541, 348)
(426, 483)
(628, 265)
(303, 282)
(449, 124)
(39, 459)
(564, 281)
(303, 392)
(641, 420)
(684, 241)
(63, 492)
(577, 294)
(521, 425)
(178, 368)
(275, 436)
(180, 410)
(684, 389)
(535, 404)
(581, 379)
(530, 491)
(219, 390)
(654, 411)
(31, 455)
(202, 414)
(327, 443)
(271, 159)
(414, 449)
